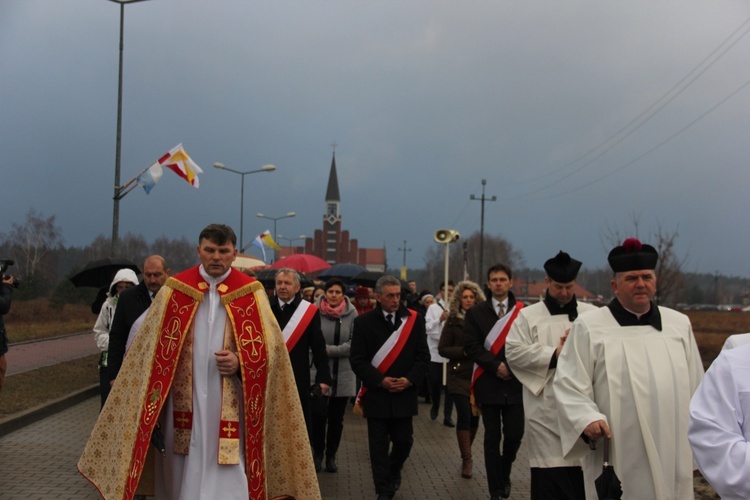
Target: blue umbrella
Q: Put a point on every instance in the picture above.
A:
(344, 272)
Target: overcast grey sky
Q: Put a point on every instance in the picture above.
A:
(424, 98)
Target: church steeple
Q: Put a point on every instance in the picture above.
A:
(333, 199)
(332, 217)
(332, 194)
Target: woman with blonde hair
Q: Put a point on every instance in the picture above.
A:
(465, 296)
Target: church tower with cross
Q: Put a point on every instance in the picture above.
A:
(332, 243)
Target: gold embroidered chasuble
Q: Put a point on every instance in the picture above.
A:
(276, 447)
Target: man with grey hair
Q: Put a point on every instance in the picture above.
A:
(389, 353)
(299, 321)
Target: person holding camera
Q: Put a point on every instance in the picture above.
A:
(6, 292)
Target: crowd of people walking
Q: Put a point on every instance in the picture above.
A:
(562, 374)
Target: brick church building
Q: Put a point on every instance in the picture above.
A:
(332, 243)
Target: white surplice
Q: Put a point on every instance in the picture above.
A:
(720, 424)
(198, 475)
(531, 343)
(639, 380)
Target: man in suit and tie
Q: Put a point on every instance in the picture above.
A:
(389, 353)
(130, 305)
(299, 321)
(495, 389)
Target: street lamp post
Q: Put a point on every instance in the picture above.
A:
(264, 168)
(275, 235)
(118, 143)
(292, 240)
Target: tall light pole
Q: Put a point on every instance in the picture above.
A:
(481, 230)
(275, 234)
(118, 143)
(292, 240)
(264, 168)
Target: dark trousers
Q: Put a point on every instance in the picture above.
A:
(557, 483)
(464, 419)
(104, 386)
(435, 379)
(327, 412)
(501, 423)
(386, 460)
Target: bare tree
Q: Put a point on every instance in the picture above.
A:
(496, 249)
(99, 248)
(32, 245)
(179, 254)
(133, 247)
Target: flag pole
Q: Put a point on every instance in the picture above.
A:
(123, 190)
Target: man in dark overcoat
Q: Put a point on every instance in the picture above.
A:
(496, 390)
(307, 342)
(130, 305)
(389, 353)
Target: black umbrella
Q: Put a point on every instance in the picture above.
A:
(344, 272)
(370, 278)
(608, 485)
(99, 273)
(268, 278)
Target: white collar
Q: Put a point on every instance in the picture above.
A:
(210, 279)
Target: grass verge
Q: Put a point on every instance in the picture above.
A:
(27, 390)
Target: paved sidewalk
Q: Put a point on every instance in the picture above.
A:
(39, 460)
(27, 356)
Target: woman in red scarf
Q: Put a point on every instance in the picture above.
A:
(337, 315)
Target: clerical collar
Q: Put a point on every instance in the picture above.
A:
(627, 318)
(210, 279)
(571, 308)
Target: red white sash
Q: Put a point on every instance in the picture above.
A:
(298, 323)
(390, 350)
(495, 340)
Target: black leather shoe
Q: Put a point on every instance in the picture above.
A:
(318, 460)
(506, 489)
(331, 465)
(448, 422)
(396, 483)
(434, 413)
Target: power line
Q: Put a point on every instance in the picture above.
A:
(654, 148)
(675, 91)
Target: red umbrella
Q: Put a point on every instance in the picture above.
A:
(302, 262)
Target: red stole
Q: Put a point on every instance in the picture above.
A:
(187, 292)
(389, 352)
(495, 340)
(298, 323)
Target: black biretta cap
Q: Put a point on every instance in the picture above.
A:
(562, 268)
(632, 255)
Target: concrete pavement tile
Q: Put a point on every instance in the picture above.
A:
(38, 461)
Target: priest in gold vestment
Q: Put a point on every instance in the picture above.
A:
(210, 371)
